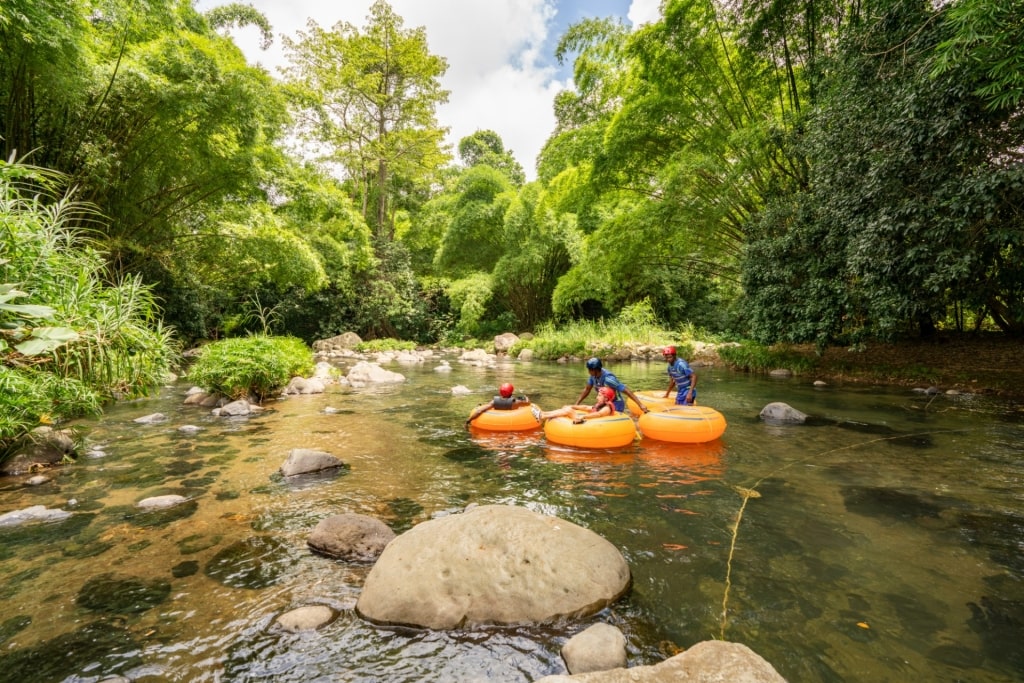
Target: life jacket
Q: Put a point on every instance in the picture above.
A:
(502, 403)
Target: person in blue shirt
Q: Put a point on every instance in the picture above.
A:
(681, 376)
(599, 377)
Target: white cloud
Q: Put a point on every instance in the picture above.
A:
(644, 12)
(497, 77)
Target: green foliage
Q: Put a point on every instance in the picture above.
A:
(160, 122)
(537, 251)
(475, 237)
(986, 37)
(469, 296)
(32, 397)
(255, 365)
(753, 357)
(635, 325)
(105, 335)
(368, 98)
(911, 211)
(102, 337)
(236, 15)
(485, 148)
(379, 345)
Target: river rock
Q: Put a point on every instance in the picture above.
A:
(711, 661)
(504, 342)
(160, 502)
(302, 386)
(364, 372)
(306, 618)
(350, 537)
(237, 408)
(341, 342)
(203, 399)
(494, 564)
(36, 513)
(477, 357)
(782, 413)
(45, 446)
(306, 460)
(599, 648)
(325, 372)
(152, 418)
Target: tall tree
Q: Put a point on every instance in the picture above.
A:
(485, 147)
(913, 209)
(369, 98)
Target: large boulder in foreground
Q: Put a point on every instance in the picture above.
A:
(711, 661)
(494, 564)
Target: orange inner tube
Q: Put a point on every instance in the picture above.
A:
(683, 424)
(609, 431)
(654, 400)
(520, 419)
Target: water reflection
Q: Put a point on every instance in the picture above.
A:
(883, 543)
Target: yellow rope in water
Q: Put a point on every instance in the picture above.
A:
(751, 492)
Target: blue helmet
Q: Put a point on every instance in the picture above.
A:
(594, 364)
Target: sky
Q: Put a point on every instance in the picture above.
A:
(502, 74)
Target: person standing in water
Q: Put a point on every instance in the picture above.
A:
(600, 377)
(681, 376)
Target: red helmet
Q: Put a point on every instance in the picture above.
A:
(506, 390)
(607, 392)
(668, 351)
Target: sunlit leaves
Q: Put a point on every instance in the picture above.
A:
(987, 37)
(367, 98)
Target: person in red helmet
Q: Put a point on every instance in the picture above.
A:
(605, 405)
(681, 376)
(503, 401)
(601, 377)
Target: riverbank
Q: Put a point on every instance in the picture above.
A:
(975, 364)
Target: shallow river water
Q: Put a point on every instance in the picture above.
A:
(884, 541)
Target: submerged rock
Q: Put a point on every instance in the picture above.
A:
(306, 460)
(306, 618)
(350, 537)
(36, 513)
(255, 562)
(122, 594)
(782, 413)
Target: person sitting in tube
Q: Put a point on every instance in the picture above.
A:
(605, 405)
(503, 401)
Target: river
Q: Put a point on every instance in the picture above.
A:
(883, 541)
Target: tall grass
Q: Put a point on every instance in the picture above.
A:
(636, 325)
(753, 357)
(118, 346)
